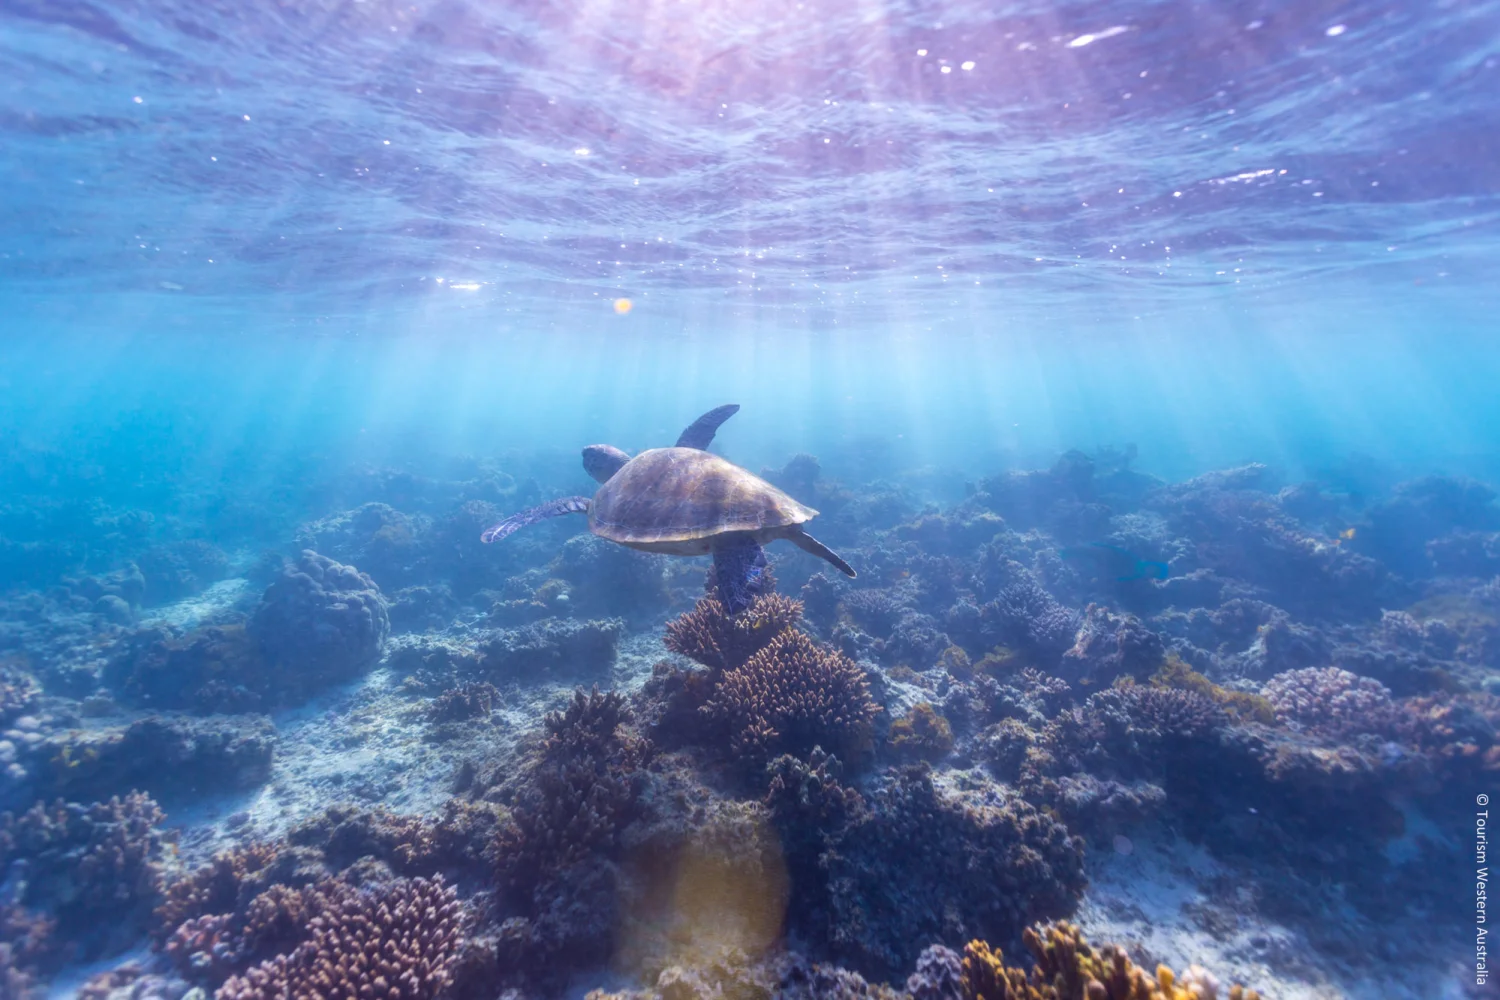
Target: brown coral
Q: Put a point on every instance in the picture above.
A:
(581, 789)
(398, 940)
(470, 700)
(720, 641)
(792, 696)
(212, 946)
(214, 888)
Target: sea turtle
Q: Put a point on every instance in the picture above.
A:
(685, 501)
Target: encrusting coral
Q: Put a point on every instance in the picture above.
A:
(1069, 968)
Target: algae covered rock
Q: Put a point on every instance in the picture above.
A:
(323, 618)
(554, 648)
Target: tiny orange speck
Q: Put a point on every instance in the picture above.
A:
(623, 306)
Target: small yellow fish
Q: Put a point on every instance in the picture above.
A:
(1346, 534)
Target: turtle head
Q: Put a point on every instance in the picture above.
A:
(603, 460)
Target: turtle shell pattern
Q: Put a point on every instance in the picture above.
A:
(682, 494)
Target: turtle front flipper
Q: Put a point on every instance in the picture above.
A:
(552, 508)
(700, 433)
(739, 571)
(807, 543)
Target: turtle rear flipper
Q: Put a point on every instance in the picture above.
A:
(552, 508)
(807, 543)
(700, 433)
(739, 571)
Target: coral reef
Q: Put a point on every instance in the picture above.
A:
(922, 864)
(1026, 617)
(467, 701)
(791, 696)
(922, 733)
(179, 569)
(554, 648)
(93, 869)
(1068, 968)
(738, 815)
(213, 669)
(167, 757)
(1108, 646)
(18, 692)
(605, 579)
(557, 855)
(397, 939)
(1242, 706)
(218, 887)
(1332, 701)
(720, 641)
(384, 542)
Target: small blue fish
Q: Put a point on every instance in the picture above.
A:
(1122, 564)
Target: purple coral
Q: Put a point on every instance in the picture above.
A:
(939, 975)
(95, 867)
(921, 863)
(1332, 701)
(1026, 617)
(322, 618)
(875, 611)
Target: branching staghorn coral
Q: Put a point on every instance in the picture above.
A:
(398, 940)
(214, 888)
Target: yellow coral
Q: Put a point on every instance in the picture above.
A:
(922, 732)
(956, 662)
(999, 662)
(1243, 706)
(1068, 968)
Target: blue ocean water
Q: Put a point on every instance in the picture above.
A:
(263, 266)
